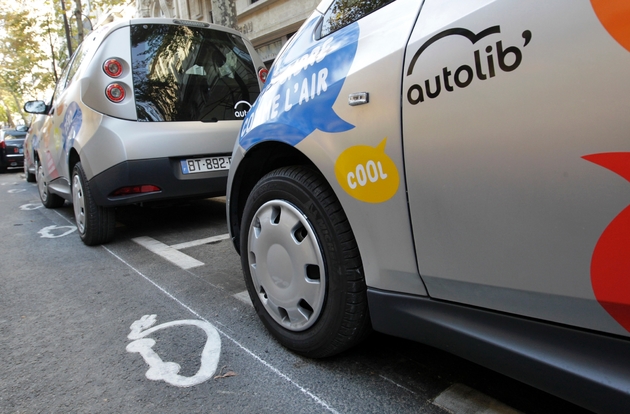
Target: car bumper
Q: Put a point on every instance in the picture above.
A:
(12, 161)
(164, 173)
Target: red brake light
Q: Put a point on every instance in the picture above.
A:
(2, 145)
(262, 74)
(115, 92)
(135, 189)
(113, 68)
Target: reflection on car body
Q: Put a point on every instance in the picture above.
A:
(129, 108)
(433, 171)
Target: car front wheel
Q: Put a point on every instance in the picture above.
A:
(302, 265)
(95, 224)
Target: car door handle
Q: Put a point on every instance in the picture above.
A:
(358, 98)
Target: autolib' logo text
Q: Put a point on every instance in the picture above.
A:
(482, 68)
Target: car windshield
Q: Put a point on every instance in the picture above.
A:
(183, 73)
(9, 135)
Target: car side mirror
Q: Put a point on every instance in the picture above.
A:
(36, 107)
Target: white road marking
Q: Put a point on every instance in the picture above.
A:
(275, 370)
(16, 190)
(199, 242)
(397, 384)
(168, 371)
(243, 297)
(172, 255)
(54, 232)
(27, 207)
(458, 398)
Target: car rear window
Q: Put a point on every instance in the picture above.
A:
(342, 13)
(183, 73)
(8, 135)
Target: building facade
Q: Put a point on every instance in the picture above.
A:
(268, 24)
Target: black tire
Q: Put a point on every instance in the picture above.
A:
(49, 200)
(30, 177)
(95, 224)
(301, 264)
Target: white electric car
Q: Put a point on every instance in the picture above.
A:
(453, 172)
(146, 110)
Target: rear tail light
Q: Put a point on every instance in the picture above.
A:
(2, 145)
(113, 68)
(135, 189)
(262, 74)
(115, 92)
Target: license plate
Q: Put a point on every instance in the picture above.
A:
(199, 165)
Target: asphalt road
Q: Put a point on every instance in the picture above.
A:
(66, 312)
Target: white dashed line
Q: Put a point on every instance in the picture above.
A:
(243, 297)
(199, 242)
(459, 398)
(167, 252)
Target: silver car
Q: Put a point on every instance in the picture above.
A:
(146, 110)
(453, 172)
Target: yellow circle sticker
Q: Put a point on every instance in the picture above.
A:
(367, 173)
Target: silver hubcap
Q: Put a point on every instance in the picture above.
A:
(286, 265)
(78, 203)
(41, 183)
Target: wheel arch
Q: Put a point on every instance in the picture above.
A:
(259, 160)
(73, 158)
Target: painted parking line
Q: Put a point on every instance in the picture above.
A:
(167, 252)
(169, 371)
(243, 297)
(458, 398)
(200, 242)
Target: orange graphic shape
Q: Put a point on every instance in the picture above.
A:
(614, 15)
(610, 263)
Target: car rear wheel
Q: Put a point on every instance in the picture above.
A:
(49, 200)
(95, 224)
(302, 265)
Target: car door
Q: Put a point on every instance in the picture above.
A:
(62, 118)
(516, 131)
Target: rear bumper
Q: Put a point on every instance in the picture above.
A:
(164, 173)
(11, 160)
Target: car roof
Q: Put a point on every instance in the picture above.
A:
(162, 20)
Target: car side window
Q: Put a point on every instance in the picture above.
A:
(341, 13)
(74, 65)
(66, 74)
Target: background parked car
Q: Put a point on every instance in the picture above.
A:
(454, 173)
(11, 148)
(146, 110)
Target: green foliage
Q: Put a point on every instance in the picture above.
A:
(32, 48)
(23, 71)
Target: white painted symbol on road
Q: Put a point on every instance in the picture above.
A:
(53, 232)
(26, 207)
(15, 190)
(168, 371)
